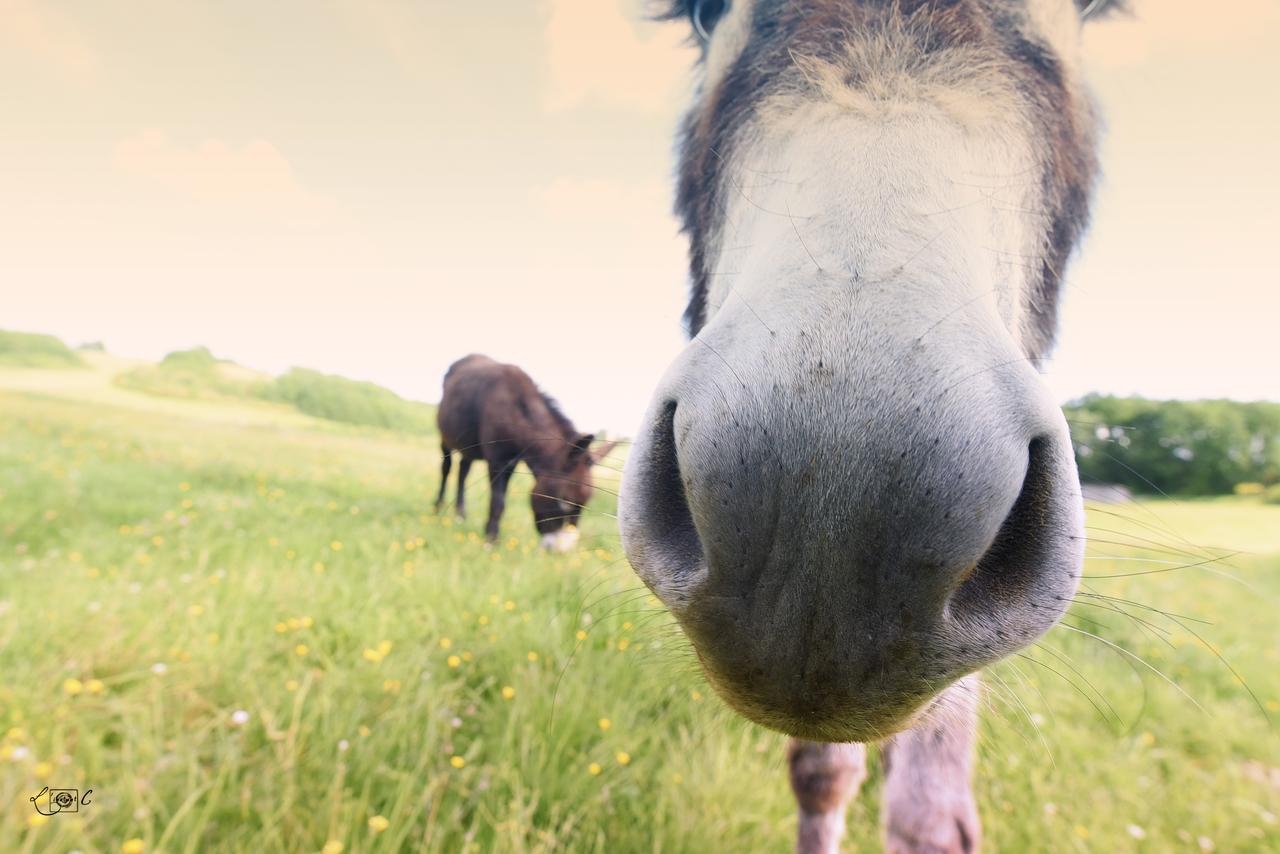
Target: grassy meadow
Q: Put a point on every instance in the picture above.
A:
(244, 628)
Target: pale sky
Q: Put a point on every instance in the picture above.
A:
(377, 187)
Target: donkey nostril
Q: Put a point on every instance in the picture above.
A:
(1013, 563)
(670, 521)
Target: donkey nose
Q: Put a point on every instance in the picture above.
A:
(838, 541)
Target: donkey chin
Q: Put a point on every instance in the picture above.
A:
(561, 541)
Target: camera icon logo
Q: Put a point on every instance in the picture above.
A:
(54, 801)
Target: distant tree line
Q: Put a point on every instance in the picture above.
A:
(1201, 447)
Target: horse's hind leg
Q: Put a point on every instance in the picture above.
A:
(824, 777)
(928, 795)
(464, 468)
(445, 464)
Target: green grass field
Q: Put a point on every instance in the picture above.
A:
(244, 629)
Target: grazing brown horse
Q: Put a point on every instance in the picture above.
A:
(852, 489)
(494, 411)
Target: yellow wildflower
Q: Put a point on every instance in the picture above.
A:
(453, 661)
(336, 545)
(623, 757)
(605, 723)
(195, 610)
(95, 686)
(384, 648)
(291, 685)
(508, 692)
(581, 635)
(133, 846)
(333, 846)
(43, 770)
(37, 820)
(594, 768)
(301, 649)
(71, 687)
(378, 823)
(445, 643)
(532, 656)
(458, 762)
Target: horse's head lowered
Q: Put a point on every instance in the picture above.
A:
(852, 487)
(562, 487)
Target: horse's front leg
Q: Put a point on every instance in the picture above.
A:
(500, 471)
(824, 777)
(928, 803)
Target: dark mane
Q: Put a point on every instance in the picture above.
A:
(562, 421)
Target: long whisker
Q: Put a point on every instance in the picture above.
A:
(1140, 660)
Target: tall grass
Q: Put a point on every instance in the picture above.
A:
(260, 638)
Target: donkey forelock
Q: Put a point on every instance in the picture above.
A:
(986, 66)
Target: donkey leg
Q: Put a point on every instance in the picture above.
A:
(824, 777)
(500, 472)
(445, 464)
(928, 790)
(464, 468)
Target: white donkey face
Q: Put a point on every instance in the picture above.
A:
(852, 487)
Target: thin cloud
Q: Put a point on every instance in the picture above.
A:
(597, 53)
(254, 177)
(1170, 29)
(49, 35)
